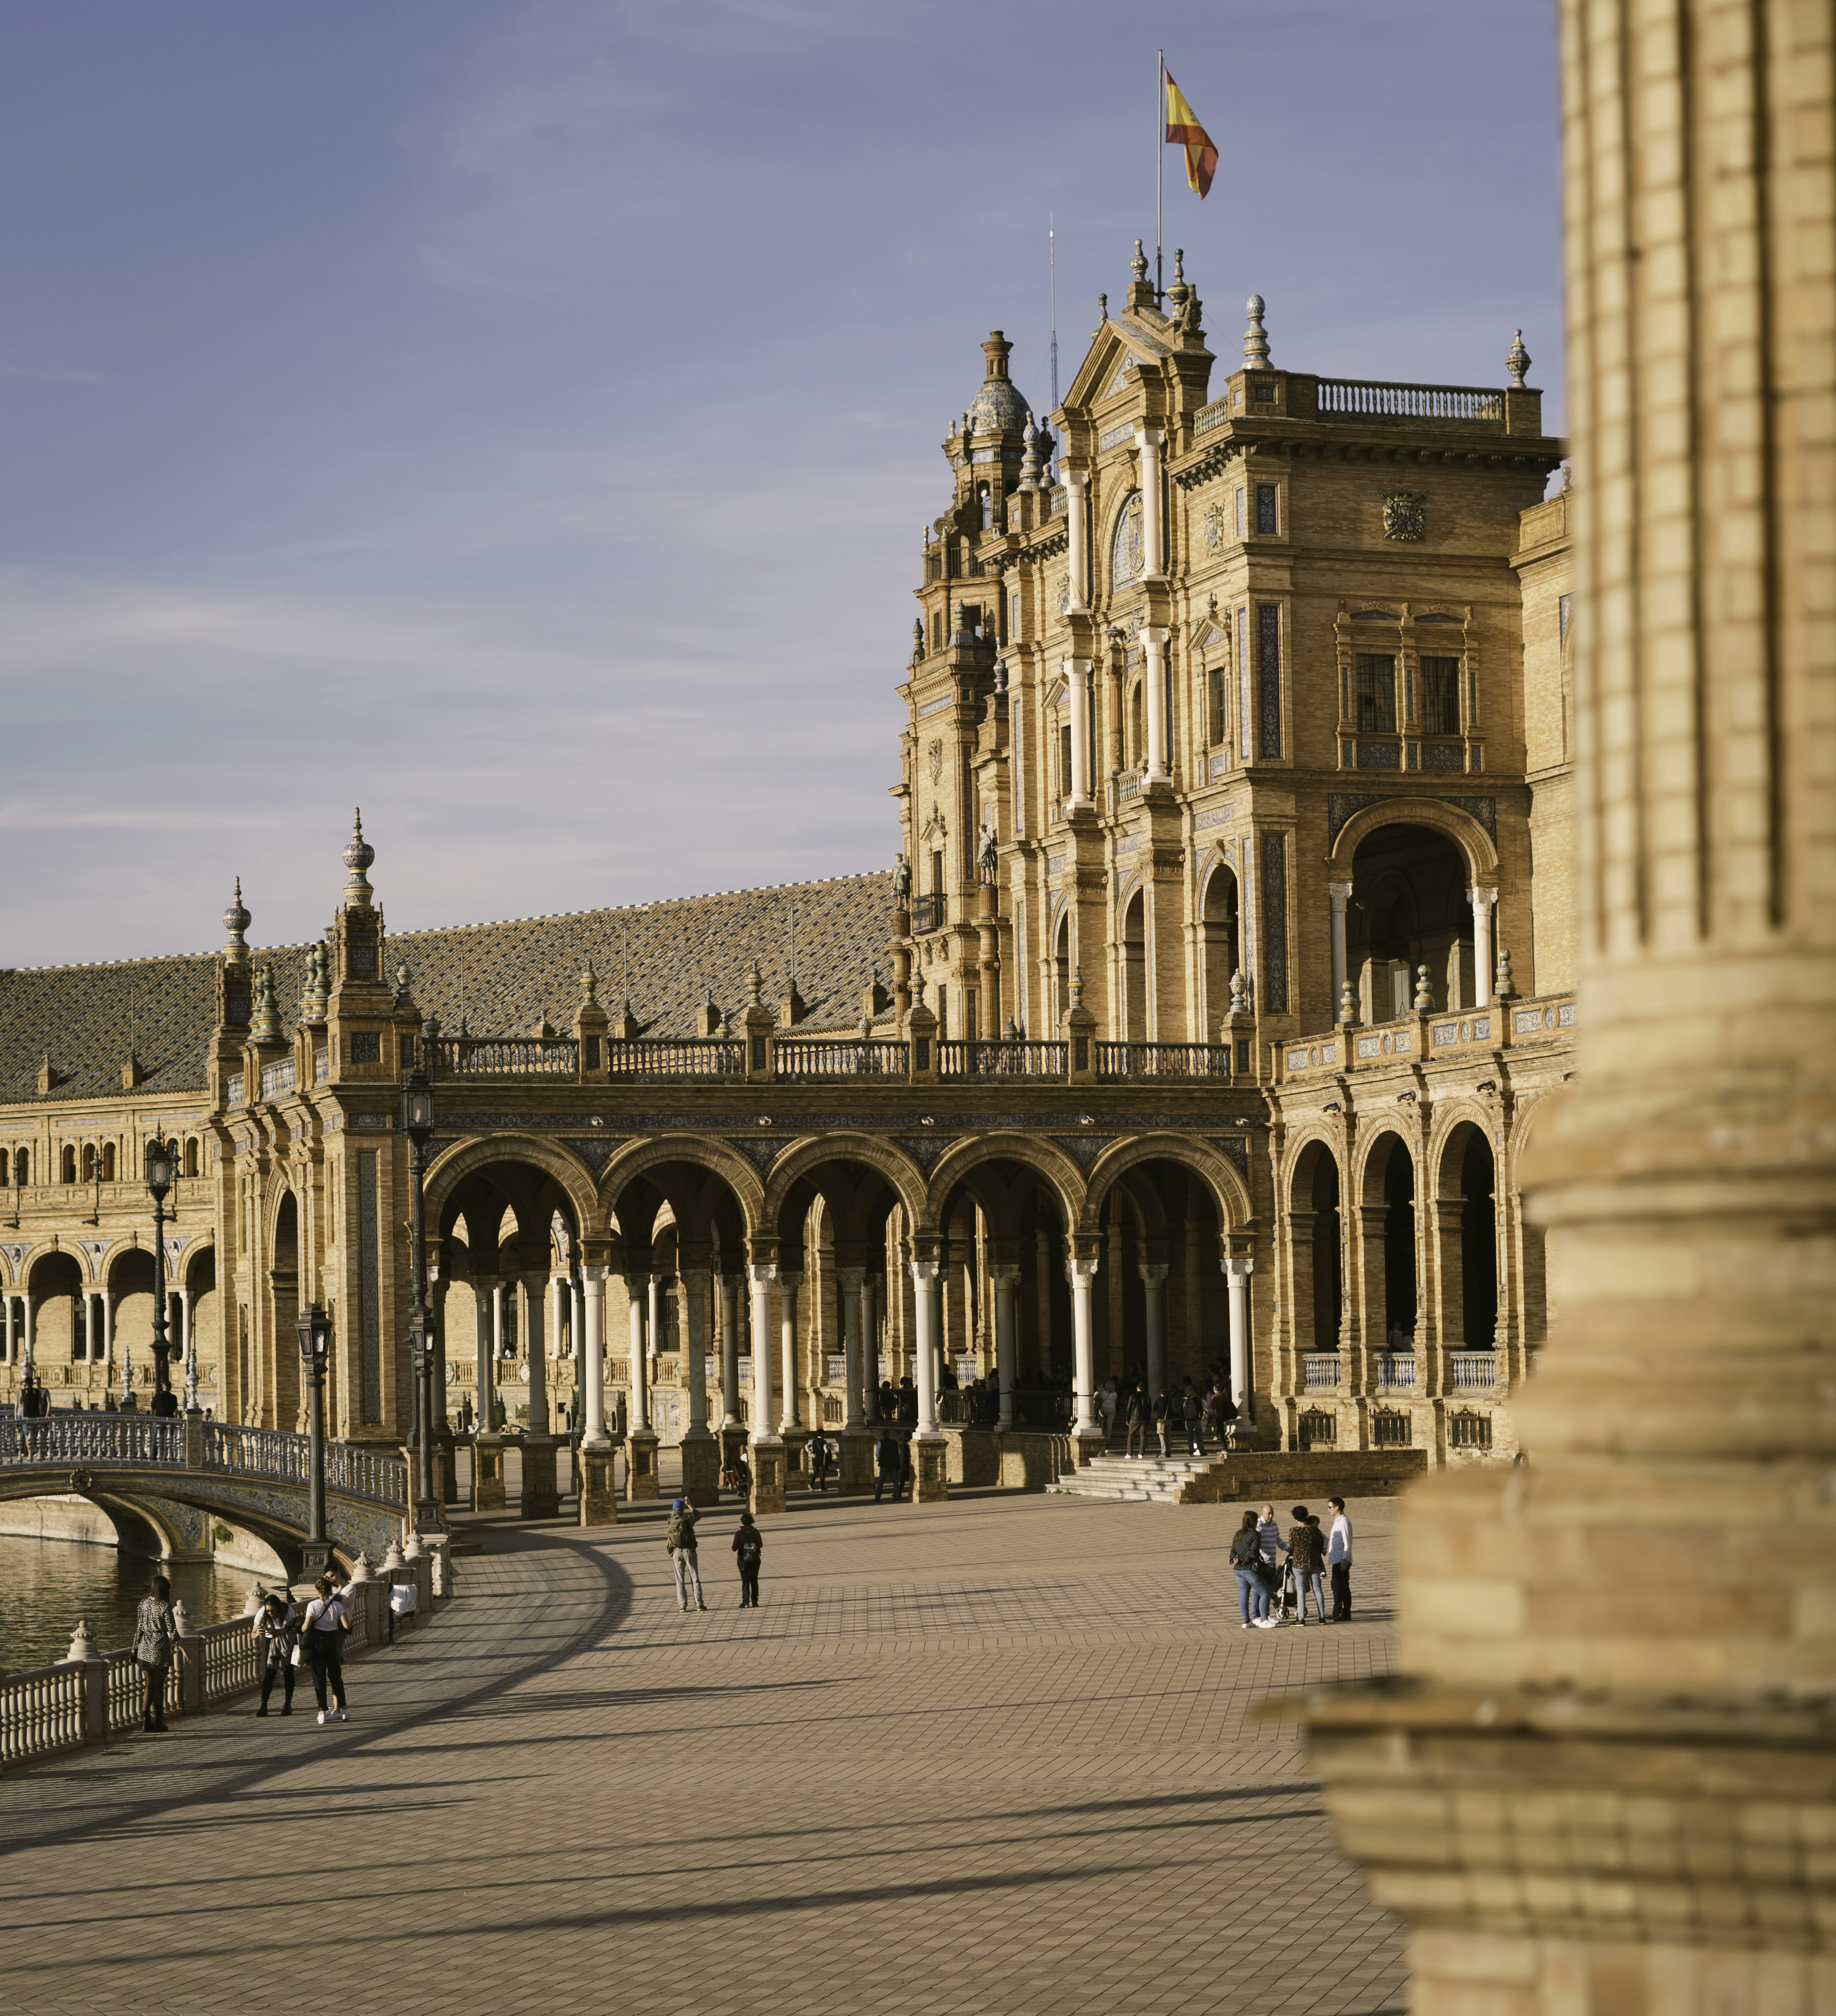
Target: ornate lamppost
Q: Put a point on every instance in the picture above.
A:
(417, 1121)
(161, 1167)
(314, 1328)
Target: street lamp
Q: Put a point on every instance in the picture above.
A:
(161, 1167)
(314, 1328)
(417, 1122)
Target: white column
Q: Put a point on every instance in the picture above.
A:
(1153, 1281)
(638, 1288)
(694, 1280)
(1081, 1272)
(729, 1354)
(1154, 538)
(31, 1329)
(851, 1278)
(108, 1332)
(1153, 677)
(1076, 526)
(591, 1357)
(1341, 894)
(760, 1274)
(499, 1293)
(1483, 900)
(788, 1285)
(1238, 1272)
(924, 1273)
(1007, 1316)
(529, 1329)
(558, 1286)
(1078, 675)
(654, 1330)
(11, 1302)
(484, 1372)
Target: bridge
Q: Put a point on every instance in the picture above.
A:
(175, 1476)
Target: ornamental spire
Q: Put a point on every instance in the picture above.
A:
(358, 854)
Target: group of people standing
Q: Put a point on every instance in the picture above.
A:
(1168, 1412)
(1256, 1549)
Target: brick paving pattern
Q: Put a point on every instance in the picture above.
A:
(992, 1756)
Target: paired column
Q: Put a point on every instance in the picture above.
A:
(1237, 1270)
(1154, 1282)
(1006, 1318)
(487, 1457)
(767, 1445)
(1341, 894)
(929, 1449)
(640, 1441)
(1153, 680)
(1078, 531)
(1080, 1271)
(1482, 901)
(700, 1453)
(788, 1285)
(598, 1503)
(1077, 672)
(729, 1356)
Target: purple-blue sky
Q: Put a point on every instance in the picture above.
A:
(518, 418)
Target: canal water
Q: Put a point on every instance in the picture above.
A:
(45, 1585)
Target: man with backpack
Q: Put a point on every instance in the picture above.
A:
(748, 1550)
(1135, 1413)
(678, 1536)
(1192, 1411)
(1163, 1418)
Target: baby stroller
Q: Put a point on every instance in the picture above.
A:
(1284, 1598)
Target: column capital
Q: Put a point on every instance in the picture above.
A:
(1080, 1269)
(1483, 894)
(1236, 1266)
(924, 1272)
(761, 1273)
(1154, 1272)
(1150, 438)
(851, 1278)
(1155, 636)
(1078, 479)
(790, 1278)
(1340, 892)
(594, 1274)
(1006, 1273)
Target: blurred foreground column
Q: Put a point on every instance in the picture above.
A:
(1608, 1786)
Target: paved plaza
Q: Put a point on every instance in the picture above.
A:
(990, 1756)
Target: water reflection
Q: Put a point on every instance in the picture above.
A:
(45, 1585)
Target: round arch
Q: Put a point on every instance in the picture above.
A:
(453, 1165)
(809, 1153)
(712, 1155)
(1439, 815)
(1051, 1165)
(1229, 1192)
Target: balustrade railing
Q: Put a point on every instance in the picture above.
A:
(675, 1056)
(1358, 399)
(1472, 1371)
(1002, 1060)
(504, 1056)
(929, 913)
(277, 1079)
(41, 1713)
(1396, 1369)
(805, 1057)
(365, 1473)
(234, 1087)
(1163, 1060)
(322, 1066)
(1319, 1370)
(72, 1441)
(62, 1439)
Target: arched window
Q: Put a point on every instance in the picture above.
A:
(987, 508)
(69, 1164)
(191, 1158)
(21, 1167)
(1125, 553)
(5, 1167)
(108, 1162)
(1137, 743)
(89, 1161)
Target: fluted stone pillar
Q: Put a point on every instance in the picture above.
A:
(1607, 1786)
(1238, 1268)
(1086, 1426)
(1154, 682)
(1077, 672)
(855, 1471)
(729, 1354)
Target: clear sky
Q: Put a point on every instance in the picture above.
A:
(518, 418)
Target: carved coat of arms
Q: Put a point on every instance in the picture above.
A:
(1214, 527)
(1405, 515)
(933, 757)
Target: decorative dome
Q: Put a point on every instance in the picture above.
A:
(999, 407)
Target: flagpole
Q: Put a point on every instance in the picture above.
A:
(1052, 257)
(1160, 170)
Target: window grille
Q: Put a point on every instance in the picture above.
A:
(1265, 508)
(1441, 696)
(366, 1046)
(1377, 693)
(1319, 1429)
(1269, 671)
(1390, 1431)
(1242, 513)
(1469, 1431)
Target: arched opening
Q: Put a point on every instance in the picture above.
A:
(1061, 973)
(986, 505)
(21, 1167)
(1408, 909)
(108, 1161)
(89, 1162)
(1390, 1277)
(60, 1324)
(1137, 730)
(1478, 1241)
(68, 1160)
(1134, 969)
(1220, 925)
(202, 1312)
(190, 1156)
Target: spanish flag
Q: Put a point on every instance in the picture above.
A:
(1184, 130)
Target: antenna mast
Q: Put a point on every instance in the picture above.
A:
(1160, 169)
(1051, 258)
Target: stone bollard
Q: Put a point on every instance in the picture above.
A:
(366, 1626)
(418, 1556)
(191, 1663)
(253, 1601)
(83, 1653)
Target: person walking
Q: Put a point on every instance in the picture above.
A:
(818, 1462)
(1306, 1552)
(906, 1474)
(1338, 1561)
(678, 1536)
(886, 1464)
(1163, 1420)
(156, 1644)
(1246, 1561)
(748, 1550)
(1192, 1412)
(1136, 1411)
(1220, 1412)
(322, 1632)
(277, 1629)
(1106, 1401)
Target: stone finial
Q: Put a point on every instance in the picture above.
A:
(265, 1025)
(1102, 310)
(1517, 359)
(1029, 460)
(1011, 1033)
(1424, 992)
(1239, 993)
(918, 989)
(917, 638)
(755, 985)
(403, 993)
(360, 1570)
(82, 1641)
(392, 1556)
(1348, 1004)
(236, 921)
(412, 1548)
(1077, 987)
(253, 1601)
(866, 1028)
(358, 855)
(1255, 338)
(182, 1618)
(1503, 984)
(322, 999)
(1000, 675)
(1138, 265)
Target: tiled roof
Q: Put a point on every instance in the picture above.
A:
(503, 977)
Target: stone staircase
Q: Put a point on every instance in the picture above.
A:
(1154, 1479)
